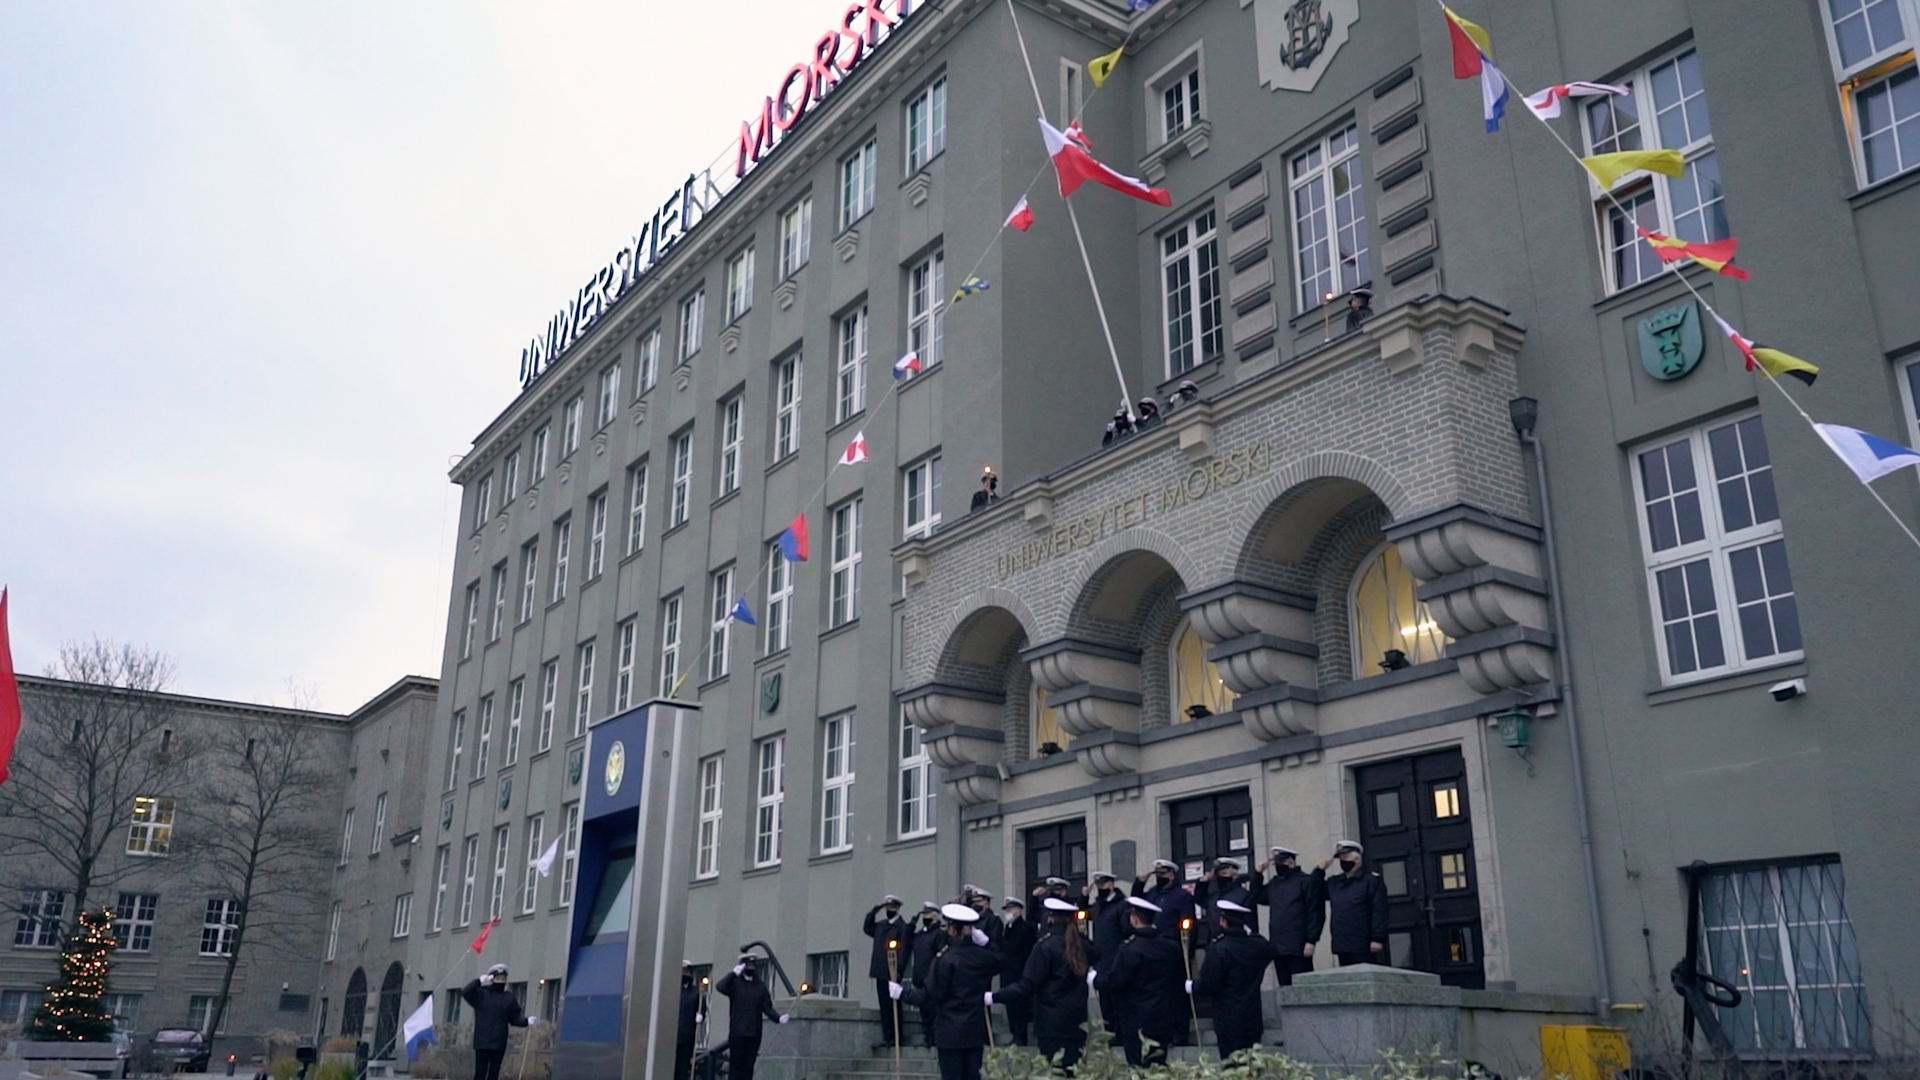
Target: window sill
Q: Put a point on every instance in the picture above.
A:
(632, 555)
(838, 425)
(1203, 372)
(1368, 683)
(914, 172)
(1744, 679)
(924, 839)
(841, 629)
(831, 857)
(774, 656)
(1042, 761)
(1189, 727)
(704, 882)
(551, 604)
(1639, 292)
(1881, 189)
(781, 463)
(711, 683)
(760, 871)
(724, 499)
(676, 528)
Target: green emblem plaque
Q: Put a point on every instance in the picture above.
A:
(770, 693)
(1670, 341)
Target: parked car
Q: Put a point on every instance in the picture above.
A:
(176, 1050)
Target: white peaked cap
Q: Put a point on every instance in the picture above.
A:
(1054, 903)
(1350, 845)
(960, 913)
(1277, 850)
(1228, 905)
(1144, 904)
(1167, 863)
(892, 899)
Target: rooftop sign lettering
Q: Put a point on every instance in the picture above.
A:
(839, 51)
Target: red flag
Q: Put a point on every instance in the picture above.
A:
(856, 451)
(1022, 216)
(1074, 166)
(1716, 256)
(793, 542)
(9, 694)
(480, 940)
(1470, 44)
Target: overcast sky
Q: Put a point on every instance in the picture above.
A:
(265, 272)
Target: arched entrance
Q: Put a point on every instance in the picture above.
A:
(388, 1019)
(353, 1007)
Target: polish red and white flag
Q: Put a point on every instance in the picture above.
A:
(856, 451)
(1075, 166)
(1022, 216)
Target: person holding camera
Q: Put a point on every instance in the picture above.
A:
(495, 1009)
(750, 1003)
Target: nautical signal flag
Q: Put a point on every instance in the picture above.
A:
(480, 940)
(1471, 45)
(544, 864)
(793, 542)
(1022, 216)
(1074, 166)
(856, 451)
(418, 1028)
(1546, 103)
(1100, 67)
(1868, 455)
(969, 287)
(1608, 168)
(1716, 256)
(907, 365)
(742, 613)
(1772, 361)
(1494, 93)
(9, 695)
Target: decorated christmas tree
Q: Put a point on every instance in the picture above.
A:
(74, 1010)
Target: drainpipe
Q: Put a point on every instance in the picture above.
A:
(1524, 412)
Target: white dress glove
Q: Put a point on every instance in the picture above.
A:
(699, 1018)
(989, 997)
(784, 1017)
(1092, 975)
(1189, 987)
(739, 968)
(979, 937)
(894, 990)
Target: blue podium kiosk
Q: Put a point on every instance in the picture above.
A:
(629, 913)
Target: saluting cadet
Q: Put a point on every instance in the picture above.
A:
(890, 928)
(1223, 883)
(1358, 903)
(1296, 911)
(1148, 981)
(981, 901)
(958, 992)
(1109, 917)
(1166, 894)
(929, 938)
(1055, 983)
(751, 1001)
(1236, 963)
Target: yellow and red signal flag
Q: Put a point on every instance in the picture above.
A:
(1716, 256)
(1471, 45)
(1761, 358)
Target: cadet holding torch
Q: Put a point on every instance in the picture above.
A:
(889, 934)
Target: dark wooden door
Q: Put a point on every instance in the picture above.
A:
(1211, 827)
(1418, 831)
(1055, 851)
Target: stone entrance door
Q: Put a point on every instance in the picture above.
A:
(1055, 851)
(1212, 827)
(1418, 832)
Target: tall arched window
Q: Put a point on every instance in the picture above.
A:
(1391, 629)
(1045, 722)
(1195, 680)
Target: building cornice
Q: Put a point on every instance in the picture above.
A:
(181, 701)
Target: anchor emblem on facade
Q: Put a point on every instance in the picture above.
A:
(1309, 28)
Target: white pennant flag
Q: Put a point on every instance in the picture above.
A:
(545, 863)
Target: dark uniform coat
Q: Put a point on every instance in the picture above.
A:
(927, 943)
(1359, 909)
(883, 929)
(956, 991)
(1016, 943)
(1296, 910)
(751, 1000)
(1209, 891)
(689, 1014)
(1174, 902)
(1236, 963)
(1109, 920)
(495, 1009)
(1058, 995)
(1148, 979)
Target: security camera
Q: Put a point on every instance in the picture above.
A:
(1788, 690)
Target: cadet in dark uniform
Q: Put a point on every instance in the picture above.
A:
(1108, 906)
(495, 1009)
(1167, 895)
(958, 992)
(981, 901)
(1224, 883)
(687, 1035)
(1296, 912)
(1357, 900)
(751, 1002)
(1016, 944)
(1236, 963)
(1054, 982)
(929, 938)
(1148, 980)
(891, 928)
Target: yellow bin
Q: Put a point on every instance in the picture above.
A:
(1583, 1052)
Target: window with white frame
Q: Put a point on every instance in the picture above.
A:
(796, 236)
(1691, 207)
(574, 418)
(470, 626)
(836, 784)
(844, 587)
(926, 125)
(1871, 43)
(456, 745)
(730, 445)
(779, 608)
(39, 925)
(1330, 254)
(483, 738)
(682, 479)
(583, 690)
(380, 821)
(133, 921)
(927, 309)
(720, 643)
(770, 797)
(442, 869)
(200, 1013)
(516, 715)
(562, 556)
(549, 704)
(402, 915)
(828, 973)
(510, 477)
(346, 835)
(333, 931)
(693, 318)
(1072, 88)
(857, 175)
(217, 930)
(151, 832)
(609, 394)
(530, 887)
(1781, 935)
(669, 645)
(922, 489)
(1716, 563)
(647, 350)
(18, 1006)
(850, 371)
(469, 873)
(483, 501)
(706, 855)
(529, 578)
(740, 283)
(570, 854)
(916, 782)
(125, 1010)
(786, 404)
(637, 508)
(1910, 397)
(1190, 269)
(542, 443)
(502, 845)
(596, 535)
(497, 617)
(623, 666)
(1176, 97)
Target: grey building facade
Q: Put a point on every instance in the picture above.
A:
(1315, 601)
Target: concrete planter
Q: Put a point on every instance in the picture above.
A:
(97, 1058)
